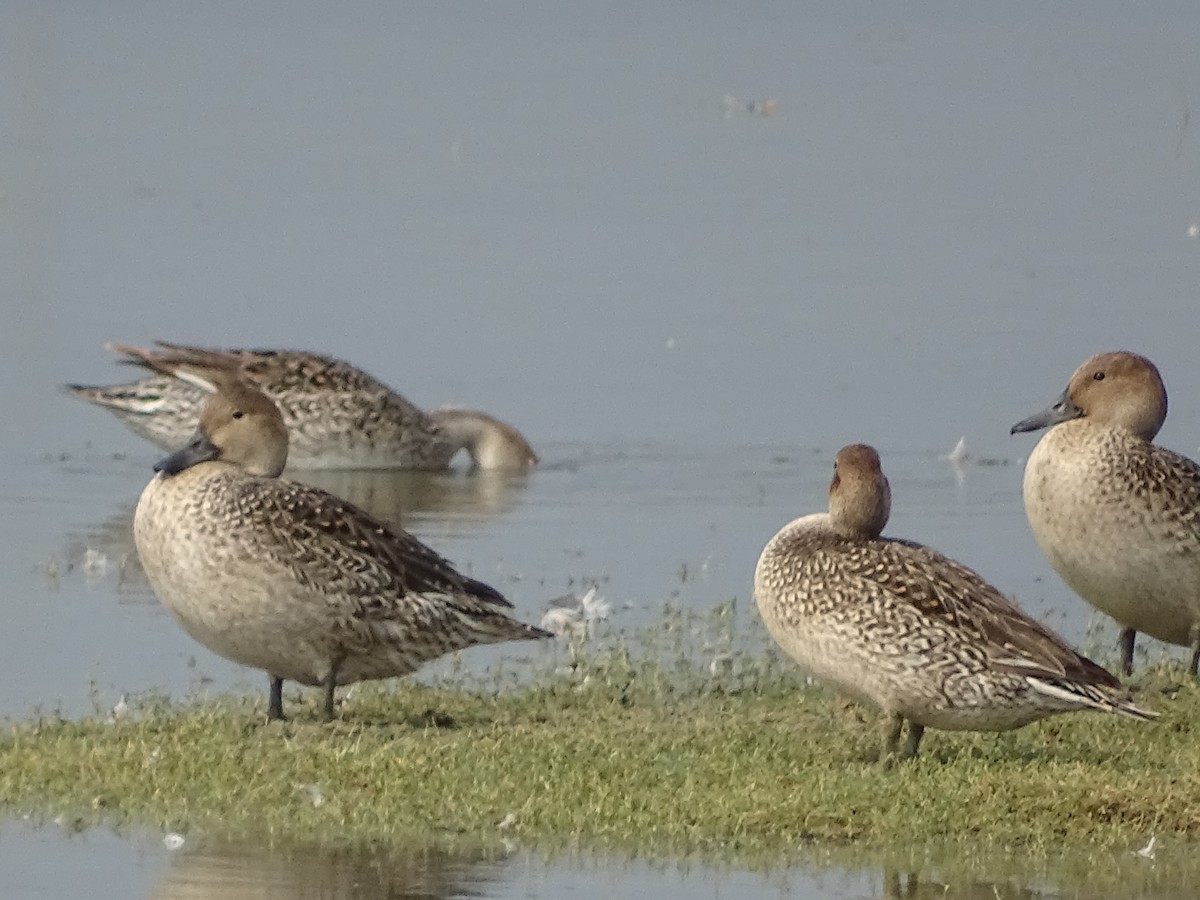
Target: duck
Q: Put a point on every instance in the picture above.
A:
(288, 578)
(338, 417)
(897, 625)
(1116, 515)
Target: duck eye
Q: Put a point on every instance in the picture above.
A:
(237, 413)
(1099, 376)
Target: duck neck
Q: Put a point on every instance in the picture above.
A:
(491, 444)
(860, 509)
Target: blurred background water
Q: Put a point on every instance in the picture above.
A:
(581, 218)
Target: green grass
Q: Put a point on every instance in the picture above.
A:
(639, 750)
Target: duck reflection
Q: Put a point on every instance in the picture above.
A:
(395, 496)
(456, 502)
(235, 872)
(908, 886)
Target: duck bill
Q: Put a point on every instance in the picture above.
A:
(199, 449)
(1063, 410)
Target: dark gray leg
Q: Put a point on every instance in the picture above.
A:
(1195, 650)
(914, 740)
(892, 726)
(330, 684)
(1128, 636)
(275, 703)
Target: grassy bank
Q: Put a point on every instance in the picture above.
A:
(666, 757)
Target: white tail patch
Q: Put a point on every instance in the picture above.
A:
(1090, 698)
(1068, 696)
(195, 380)
(148, 407)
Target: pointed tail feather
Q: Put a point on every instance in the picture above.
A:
(1087, 696)
(90, 392)
(129, 398)
(203, 369)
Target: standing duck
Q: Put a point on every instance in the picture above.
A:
(901, 626)
(1117, 517)
(288, 578)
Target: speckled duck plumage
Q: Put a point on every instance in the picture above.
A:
(288, 578)
(337, 416)
(1117, 517)
(901, 626)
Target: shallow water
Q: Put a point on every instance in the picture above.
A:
(563, 214)
(142, 865)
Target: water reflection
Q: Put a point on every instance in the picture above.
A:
(456, 501)
(104, 552)
(948, 874)
(54, 862)
(235, 872)
(910, 886)
(395, 496)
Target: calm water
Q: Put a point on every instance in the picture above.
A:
(563, 213)
(44, 863)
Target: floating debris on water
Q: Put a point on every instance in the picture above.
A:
(559, 620)
(1147, 852)
(173, 841)
(508, 821)
(721, 664)
(120, 711)
(569, 614)
(960, 454)
(961, 457)
(958, 458)
(731, 104)
(1193, 230)
(95, 564)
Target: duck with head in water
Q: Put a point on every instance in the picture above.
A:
(337, 416)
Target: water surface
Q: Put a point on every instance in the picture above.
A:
(564, 214)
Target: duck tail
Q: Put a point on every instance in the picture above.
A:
(1092, 696)
(205, 369)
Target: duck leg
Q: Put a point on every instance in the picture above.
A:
(275, 703)
(330, 684)
(1128, 636)
(915, 732)
(892, 726)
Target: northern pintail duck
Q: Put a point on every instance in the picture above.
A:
(1116, 516)
(337, 416)
(905, 628)
(288, 578)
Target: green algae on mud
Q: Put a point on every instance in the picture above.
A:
(742, 761)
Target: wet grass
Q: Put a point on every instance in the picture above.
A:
(681, 741)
